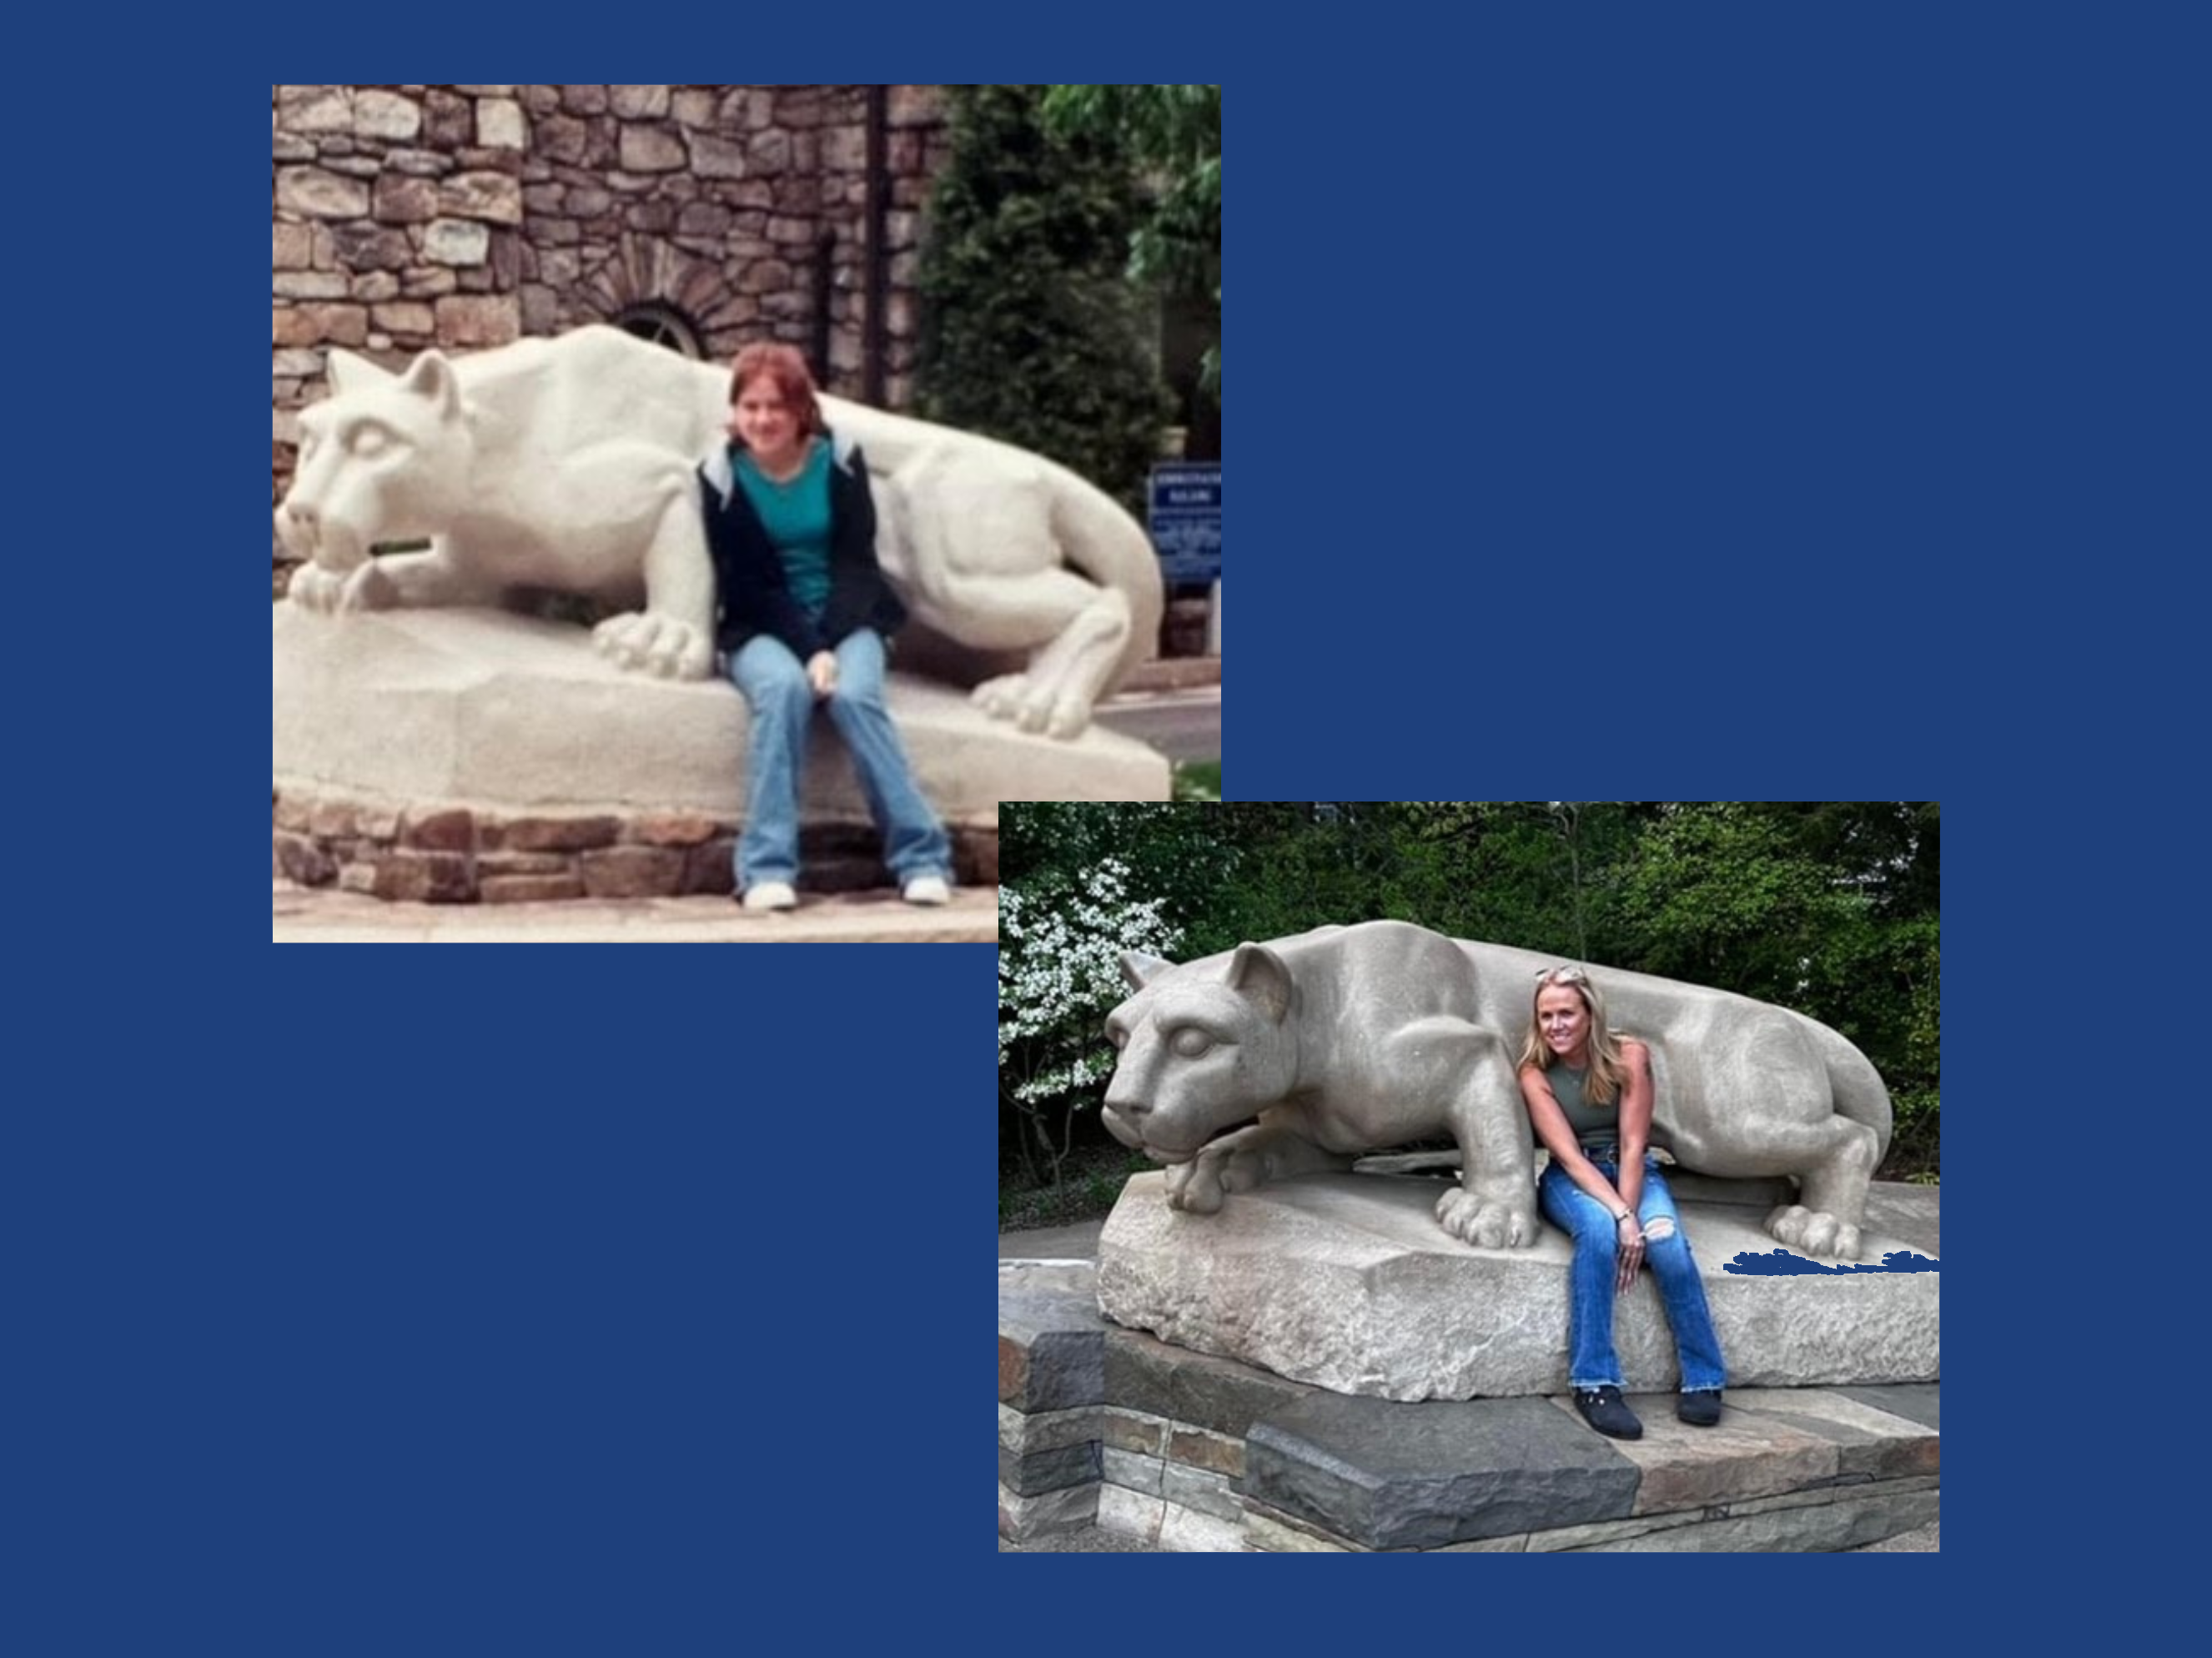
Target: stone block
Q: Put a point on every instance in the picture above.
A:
(1129, 1471)
(1024, 1432)
(1188, 1531)
(1346, 1281)
(1144, 1374)
(1198, 1488)
(1746, 1455)
(1914, 1403)
(1051, 1340)
(1135, 1432)
(1269, 1532)
(425, 878)
(529, 889)
(1028, 1473)
(1872, 1441)
(1811, 1522)
(1127, 1512)
(522, 716)
(1385, 1474)
(1053, 1513)
(633, 871)
(1216, 1452)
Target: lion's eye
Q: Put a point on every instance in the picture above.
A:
(1190, 1042)
(369, 440)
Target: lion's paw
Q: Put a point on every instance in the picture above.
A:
(1812, 1232)
(326, 593)
(1033, 704)
(645, 642)
(1487, 1222)
(1194, 1186)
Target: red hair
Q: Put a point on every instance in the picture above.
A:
(787, 370)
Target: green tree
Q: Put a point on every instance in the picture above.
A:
(1031, 331)
(1176, 133)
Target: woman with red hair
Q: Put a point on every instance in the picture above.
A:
(805, 616)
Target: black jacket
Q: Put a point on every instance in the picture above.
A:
(756, 598)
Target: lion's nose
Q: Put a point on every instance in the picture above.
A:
(1126, 1104)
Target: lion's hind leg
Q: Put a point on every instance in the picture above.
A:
(983, 565)
(1835, 1163)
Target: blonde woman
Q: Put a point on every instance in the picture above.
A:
(1588, 1094)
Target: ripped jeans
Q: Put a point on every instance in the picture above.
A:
(1592, 1362)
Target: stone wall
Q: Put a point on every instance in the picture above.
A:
(465, 216)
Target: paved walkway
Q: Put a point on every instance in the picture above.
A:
(323, 915)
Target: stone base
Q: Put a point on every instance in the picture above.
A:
(435, 724)
(1181, 1451)
(1346, 1282)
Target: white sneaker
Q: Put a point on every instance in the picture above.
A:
(927, 889)
(771, 895)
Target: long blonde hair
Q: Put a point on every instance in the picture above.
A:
(1609, 1072)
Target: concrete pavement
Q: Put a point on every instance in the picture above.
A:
(326, 916)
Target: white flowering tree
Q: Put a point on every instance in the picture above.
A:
(1059, 974)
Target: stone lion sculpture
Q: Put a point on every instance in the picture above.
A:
(1353, 1039)
(568, 464)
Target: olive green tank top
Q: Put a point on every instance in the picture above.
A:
(1594, 1124)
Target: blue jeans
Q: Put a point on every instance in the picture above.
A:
(774, 683)
(1592, 1362)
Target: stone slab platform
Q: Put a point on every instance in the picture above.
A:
(1104, 1427)
(1345, 1282)
(480, 708)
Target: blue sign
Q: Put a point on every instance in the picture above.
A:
(1185, 520)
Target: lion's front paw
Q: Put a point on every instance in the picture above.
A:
(1813, 1233)
(1487, 1222)
(1194, 1186)
(645, 642)
(1033, 705)
(326, 593)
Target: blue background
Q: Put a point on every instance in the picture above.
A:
(1717, 401)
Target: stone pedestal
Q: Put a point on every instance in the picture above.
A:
(459, 755)
(1346, 1282)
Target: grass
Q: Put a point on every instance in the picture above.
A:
(1200, 781)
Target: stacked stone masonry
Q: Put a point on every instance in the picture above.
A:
(1098, 1425)
(465, 216)
(457, 855)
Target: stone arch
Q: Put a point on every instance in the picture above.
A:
(645, 272)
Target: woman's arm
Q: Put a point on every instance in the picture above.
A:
(1634, 1120)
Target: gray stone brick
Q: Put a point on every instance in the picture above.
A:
(1385, 1474)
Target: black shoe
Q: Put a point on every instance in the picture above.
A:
(1700, 1407)
(1602, 1409)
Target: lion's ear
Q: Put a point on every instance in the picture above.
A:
(1140, 969)
(1257, 974)
(432, 376)
(348, 373)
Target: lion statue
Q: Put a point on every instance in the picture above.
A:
(1354, 1039)
(569, 464)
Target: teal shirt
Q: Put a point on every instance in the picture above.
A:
(796, 515)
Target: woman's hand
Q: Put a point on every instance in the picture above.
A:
(1631, 1251)
(822, 673)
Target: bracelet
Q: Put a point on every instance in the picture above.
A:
(1626, 1214)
